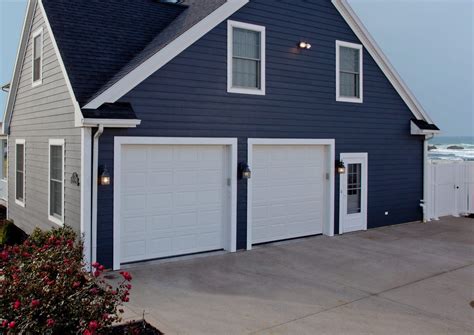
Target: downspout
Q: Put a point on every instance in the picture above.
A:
(426, 202)
(95, 176)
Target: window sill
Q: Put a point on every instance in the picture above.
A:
(56, 220)
(348, 99)
(250, 91)
(37, 83)
(20, 203)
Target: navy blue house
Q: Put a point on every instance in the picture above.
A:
(210, 125)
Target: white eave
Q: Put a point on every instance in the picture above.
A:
(111, 123)
(382, 61)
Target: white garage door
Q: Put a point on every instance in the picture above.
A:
(173, 200)
(288, 188)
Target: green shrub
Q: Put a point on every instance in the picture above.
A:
(44, 288)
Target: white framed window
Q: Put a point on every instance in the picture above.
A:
(245, 58)
(56, 181)
(20, 154)
(349, 72)
(37, 57)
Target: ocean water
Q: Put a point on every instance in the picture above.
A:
(458, 148)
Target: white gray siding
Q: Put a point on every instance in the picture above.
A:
(41, 113)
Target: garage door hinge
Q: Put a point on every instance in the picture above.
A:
(327, 175)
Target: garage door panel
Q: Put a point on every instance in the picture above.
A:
(174, 202)
(287, 191)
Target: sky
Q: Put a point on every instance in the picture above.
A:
(429, 42)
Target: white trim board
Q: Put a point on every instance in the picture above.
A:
(358, 47)
(119, 141)
(382, 61)
(62, 143)
(328, 227)
(36, 33)
(162, 57)
(230, 55)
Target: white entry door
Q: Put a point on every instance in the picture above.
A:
(288, 188)
(353, 193)
(174, 200)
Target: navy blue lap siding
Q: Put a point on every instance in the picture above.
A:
(188, 98)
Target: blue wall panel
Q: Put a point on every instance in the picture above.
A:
(188, 98)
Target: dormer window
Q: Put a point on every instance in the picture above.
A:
(349, 73)
(246, 58)
(37, 57)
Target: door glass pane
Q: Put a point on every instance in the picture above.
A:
(354, 188)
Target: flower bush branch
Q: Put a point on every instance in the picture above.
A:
(45, 289)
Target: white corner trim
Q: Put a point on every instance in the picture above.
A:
(85, 185)
(52, 218)
(119, 141)
(158, 60)
(328, 227)
(230, 52)
(382, 61)
(21, 50)
(36, 33)
(358, 47)
(21, 203)
(77, 109)
(111, 123)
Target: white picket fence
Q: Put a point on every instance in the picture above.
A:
(451, 189)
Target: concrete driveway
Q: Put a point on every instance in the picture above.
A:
(406, 279)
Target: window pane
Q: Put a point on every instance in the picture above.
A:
(19, 156)
(354, 188)
(246, 44)
(56, 180)
(246, 73)
(37, 47)
(4, 159)
(349, 60)
(56, 198)
(56, 162)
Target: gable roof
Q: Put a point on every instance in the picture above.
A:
(200, 17)
(97, 39)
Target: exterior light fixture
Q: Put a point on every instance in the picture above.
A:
(244, 171)
(341, 168)
(104, 178)
(304, 45)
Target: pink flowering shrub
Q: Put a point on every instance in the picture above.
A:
(44, 288)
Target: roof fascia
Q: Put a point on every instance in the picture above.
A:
(25, 32)
(165, 55)
(382, 61)
(111, 123)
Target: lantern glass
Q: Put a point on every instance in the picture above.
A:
(341, 168)
(104, 178)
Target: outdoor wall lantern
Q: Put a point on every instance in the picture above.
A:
(341, 168)
(304, 45)
(244, 171)
(104, 178)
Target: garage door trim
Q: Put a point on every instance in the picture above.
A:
(328, 226)
(119, 142)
